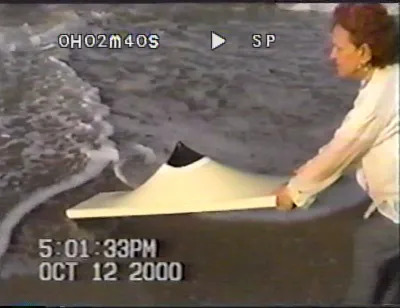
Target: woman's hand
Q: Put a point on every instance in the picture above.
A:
(283, 200)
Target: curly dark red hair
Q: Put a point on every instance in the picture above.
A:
(372, 25)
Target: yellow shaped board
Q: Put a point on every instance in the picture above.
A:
(188, 183)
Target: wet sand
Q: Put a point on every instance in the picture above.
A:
(232, 263)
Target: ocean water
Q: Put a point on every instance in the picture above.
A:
(66, 114)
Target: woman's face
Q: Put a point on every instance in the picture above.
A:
(346, 57)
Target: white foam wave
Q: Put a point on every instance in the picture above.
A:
(99, 160)
(140, 154)
(148, 153)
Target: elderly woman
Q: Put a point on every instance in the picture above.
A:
(365, 48)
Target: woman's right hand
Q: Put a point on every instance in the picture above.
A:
(284, 201)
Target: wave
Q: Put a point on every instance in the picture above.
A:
(99, 159)
(52, 114)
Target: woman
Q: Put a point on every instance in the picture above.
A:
(365, 48)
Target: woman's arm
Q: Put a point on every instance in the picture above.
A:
(351, 141)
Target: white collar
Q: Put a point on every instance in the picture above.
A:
(365, 81)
